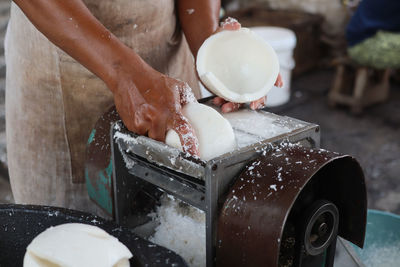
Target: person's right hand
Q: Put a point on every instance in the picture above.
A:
(151, 105)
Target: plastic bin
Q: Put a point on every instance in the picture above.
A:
(283, 41)
(382, 241)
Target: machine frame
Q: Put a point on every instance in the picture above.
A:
(201, 184)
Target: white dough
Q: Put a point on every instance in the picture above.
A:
(76, 245)
(214, 132)
(238, 66)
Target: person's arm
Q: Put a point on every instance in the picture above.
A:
(199, 20)
(71, 26)
(147, 101)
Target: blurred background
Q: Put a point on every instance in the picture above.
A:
(318, 76)
(5, 190)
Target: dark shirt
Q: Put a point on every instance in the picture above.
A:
(372, 16)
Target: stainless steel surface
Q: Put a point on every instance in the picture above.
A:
(253, 130)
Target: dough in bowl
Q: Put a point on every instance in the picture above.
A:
(238, 66)
(214, 132)
(76, 245)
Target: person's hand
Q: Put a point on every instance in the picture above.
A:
(231, 24)
(227, 106)
(151, 105)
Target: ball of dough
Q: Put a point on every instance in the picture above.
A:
(238, 66)
(214, 132)
(76, 244)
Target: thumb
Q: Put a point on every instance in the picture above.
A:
(187, 135)
(230, 24)
(279, 81)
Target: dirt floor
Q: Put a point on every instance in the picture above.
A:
(373, 138)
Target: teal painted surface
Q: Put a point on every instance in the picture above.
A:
(109, 171)
(382, 240)
(91, 137)
(99, 192)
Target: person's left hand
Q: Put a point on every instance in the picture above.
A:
(231, 24)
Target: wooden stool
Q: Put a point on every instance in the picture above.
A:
(358, 86)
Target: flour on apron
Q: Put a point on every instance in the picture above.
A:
(52, 102)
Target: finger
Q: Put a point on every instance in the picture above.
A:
(183, 92)
(186, 94)
(154, 121)
(229, 107)
(137, 128)
(137, 122)
(218, 101)
(230, 24)
(258, 103)
(158, 130)
(279, 81)
(187, 135)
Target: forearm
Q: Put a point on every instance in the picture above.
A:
(199, 19)
(71, 26)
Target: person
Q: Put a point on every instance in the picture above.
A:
(69, 61)
(373, 34)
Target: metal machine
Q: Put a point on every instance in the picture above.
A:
(277, 200)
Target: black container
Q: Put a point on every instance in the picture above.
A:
(20, 224)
